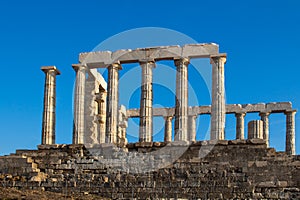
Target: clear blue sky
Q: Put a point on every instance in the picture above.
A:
(261, 38)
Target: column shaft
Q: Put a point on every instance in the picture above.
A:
(48, 127)
(112, 103)
(146, 112)
(79, 100)
(101, 100)
(218, 110)
(265, 118)
(240, 126)
(168, 129)
(181, 107)
(290, 132)
(192, 127)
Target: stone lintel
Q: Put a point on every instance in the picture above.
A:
(104, 58)
(48, 68)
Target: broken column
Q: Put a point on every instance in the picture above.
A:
(192, 127)
(240, 123)
(255, 129)
(290, 132)
(181, 107)
(265, 118)
(48, 126)
(101, 100)
(112, 103)
(78, 126)
(218, 98)
(168, 128)
(146, 112)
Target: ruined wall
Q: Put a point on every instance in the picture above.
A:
(227, 169)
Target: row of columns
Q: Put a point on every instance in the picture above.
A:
(146, 112)
(183, 120)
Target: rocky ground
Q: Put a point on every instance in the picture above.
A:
(14, 194)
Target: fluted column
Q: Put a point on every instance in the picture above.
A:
(255, 129)
(101, 100)
(78, 127)
(48, 127)
(290, 132)
(265, 118)
(146, 112)
(112, 103)
(218, 98)
(192, 127)
(240, 125)
(181, 107)
(168, 128)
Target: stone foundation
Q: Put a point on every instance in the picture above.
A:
(240, 169)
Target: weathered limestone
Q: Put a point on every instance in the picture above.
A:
(168, 128)
(78, 128)
(255, 129)
(146, 113)
(105, 58)
(240, 123)
(218, 98)
(192, 127)
(122, 126)
(112, 103)
(48, 126)
(91, 133)
(265, 118)
(290, 132)
(101, 100)
(181, 107)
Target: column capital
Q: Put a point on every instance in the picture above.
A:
(181, 61)
(47, 69)
(219, 57)
(144, 61)
(79, 67)
(264, 113)
(168, 117)
(240, 114)
(116, 65)
(288, 112)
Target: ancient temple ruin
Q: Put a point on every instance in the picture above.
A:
(102, 162)
(98, 117)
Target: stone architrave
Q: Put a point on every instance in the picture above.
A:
(112, 103)
(218, 110)
(146, 112)
(48, 126)
(181, 105)
(79, 102)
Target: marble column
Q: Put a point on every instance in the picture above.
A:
(255, 129)
(218, 110)
(78, 126)
(290, 132)
(146, 112)
(112, 103)
(168, 128)
(265, 118)
(101, 100)
(240, 126)
(181, 107)
(48, 126)
(192, 127)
